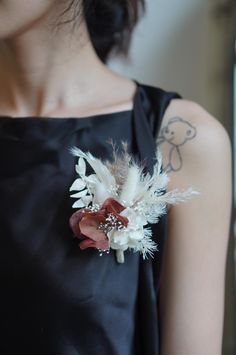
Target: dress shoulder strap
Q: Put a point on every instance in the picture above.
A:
(155, 101)
(150, 105)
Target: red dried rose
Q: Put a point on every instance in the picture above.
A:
(86, 224)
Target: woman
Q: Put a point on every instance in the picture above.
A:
(55, 93)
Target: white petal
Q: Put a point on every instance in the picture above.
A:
(136, 235)
(81, 167)
(86, 200)
(134, 244)
(80, 194)
(78, 184)
(120, 238)
(92, 179)
(78, 204)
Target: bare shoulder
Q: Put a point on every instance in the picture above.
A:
(191, 139)
(197, 152)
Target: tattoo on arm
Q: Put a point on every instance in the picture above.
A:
(175, 142)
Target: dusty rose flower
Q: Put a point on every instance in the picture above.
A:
(87, 224)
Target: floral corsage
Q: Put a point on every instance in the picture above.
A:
(116, 203)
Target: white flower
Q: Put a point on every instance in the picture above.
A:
(141, 196)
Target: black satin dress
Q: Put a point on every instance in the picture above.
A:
(56, 299)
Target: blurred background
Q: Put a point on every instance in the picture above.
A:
(189, 46)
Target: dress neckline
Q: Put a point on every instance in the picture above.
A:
(90, 118)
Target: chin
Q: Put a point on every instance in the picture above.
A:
(11, 26)
(17, 17)
(7, 34)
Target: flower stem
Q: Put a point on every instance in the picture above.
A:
(120, 256)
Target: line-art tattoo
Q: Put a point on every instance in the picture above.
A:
(175, 142)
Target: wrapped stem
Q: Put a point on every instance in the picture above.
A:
(120, 256)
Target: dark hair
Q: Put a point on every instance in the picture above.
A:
(110, 23)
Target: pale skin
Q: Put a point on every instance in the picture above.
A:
(193, 278)
(58, 75)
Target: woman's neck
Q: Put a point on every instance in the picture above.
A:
(41, 71)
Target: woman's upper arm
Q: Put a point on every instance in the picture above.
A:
(197, 152)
